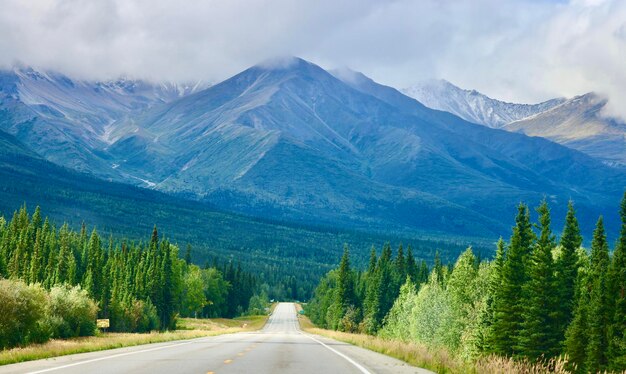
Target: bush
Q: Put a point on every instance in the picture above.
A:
(258, 305)
(146, 316)
(134, 316)
(71, 312)
(22, 312)
(350, 321)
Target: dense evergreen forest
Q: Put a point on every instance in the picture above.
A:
(57, 281)
(290, 257)
(539, 298)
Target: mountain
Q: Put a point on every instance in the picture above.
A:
(473, 106)
(579, 124)
(68, 121)
(290, 140)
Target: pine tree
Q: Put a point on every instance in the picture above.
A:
(538, 335)
(597, 344)
(567, 272)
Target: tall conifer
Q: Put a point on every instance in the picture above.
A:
(567, 271)
(617, 273)
(538, 335)
(597, 343)
(509, 308)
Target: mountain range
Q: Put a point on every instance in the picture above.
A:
(291, 141)
(578, 123)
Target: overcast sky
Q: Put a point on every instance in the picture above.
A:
(522, 50)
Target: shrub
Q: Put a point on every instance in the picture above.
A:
(22, 311)
(258, 304)
(134, 316)
(71, 312)
(146, 316)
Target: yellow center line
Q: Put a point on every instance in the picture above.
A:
(240, 354)
(228, 361)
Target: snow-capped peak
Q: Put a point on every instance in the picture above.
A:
(472, 105)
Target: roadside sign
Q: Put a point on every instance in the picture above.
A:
(103, 323)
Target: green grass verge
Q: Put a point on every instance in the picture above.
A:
(190, 328)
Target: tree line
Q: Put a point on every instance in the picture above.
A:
(540, 298)
(137, 286)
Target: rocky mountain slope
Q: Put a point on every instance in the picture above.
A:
(578, 123)
(473, 106)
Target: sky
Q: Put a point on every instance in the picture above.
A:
(514, 50)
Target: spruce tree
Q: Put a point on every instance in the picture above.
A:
(188, 255)
(344, 294)
(400, 267)
(65, 262)
(167, 299)
(36, 259)
(424, 273)
(577, 333)
(411, 267)
(598, 319)
(617, 274)
(567, 272)
(509, 309)
(538, 335)
(438, 267)
(495, 283)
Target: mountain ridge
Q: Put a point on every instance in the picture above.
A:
(578, 122)
(291, 141)
(472, 105)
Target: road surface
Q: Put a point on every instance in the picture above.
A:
(280, 347)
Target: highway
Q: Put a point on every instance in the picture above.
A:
(280, 347)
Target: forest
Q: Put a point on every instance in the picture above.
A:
(290, 257)
(540, 298)
(55, 282)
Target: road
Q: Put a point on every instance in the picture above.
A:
(280, 347)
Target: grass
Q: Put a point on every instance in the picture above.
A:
(189, 328)
(437, 360)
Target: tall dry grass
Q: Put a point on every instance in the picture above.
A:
(438, 360)
(497, 365)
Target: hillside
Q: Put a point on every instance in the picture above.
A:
(579, 124)
(270, 249)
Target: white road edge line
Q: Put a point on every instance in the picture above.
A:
(107, 358)
(356, 364)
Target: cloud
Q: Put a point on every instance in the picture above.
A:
(516, 50)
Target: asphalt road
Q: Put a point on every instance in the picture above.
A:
(279, 348)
